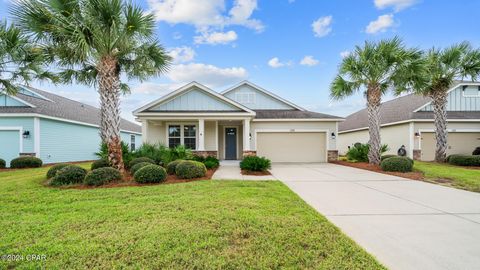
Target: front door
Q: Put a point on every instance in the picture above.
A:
(230, 143)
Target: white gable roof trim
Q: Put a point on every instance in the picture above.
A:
(263, 91)
(17, 99)
(450, 90)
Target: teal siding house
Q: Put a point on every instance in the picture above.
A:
(53, 128)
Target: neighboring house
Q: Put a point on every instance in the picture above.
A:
(243, 120)
(53, 128)
(408, 121)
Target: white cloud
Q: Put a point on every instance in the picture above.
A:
(182, 54)
(321, 27)
(215, 37)
(309, 61)
(209, 75)
(344, 54)
(241, 12)
(275, 63)
(396, 4)
(381, 24)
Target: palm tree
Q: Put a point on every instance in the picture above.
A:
(20, 60)
(377, 67)
(94, 42)
(444, 66)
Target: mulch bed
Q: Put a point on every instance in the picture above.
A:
(245, 172)
(376, 168)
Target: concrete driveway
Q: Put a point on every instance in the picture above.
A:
(406, 224)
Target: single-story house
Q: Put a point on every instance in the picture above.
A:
(53, 128)
(408, 121)
(242, 120)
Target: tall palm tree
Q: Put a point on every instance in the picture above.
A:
(377, 67)
(444, 66)
(94, 42)
(20, 60)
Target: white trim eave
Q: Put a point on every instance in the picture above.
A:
(187, 87)
(448, 92)
(298, 120)
(408, 121)
(32, 90)
(59, 119)
(18, 99)
(460, 130)
(193, 115)
(263, 90)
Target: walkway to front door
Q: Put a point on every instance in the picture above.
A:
(406, 224)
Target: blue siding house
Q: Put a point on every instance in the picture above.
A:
(53, 128)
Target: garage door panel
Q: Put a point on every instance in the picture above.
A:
(458, 143)
(292, 146)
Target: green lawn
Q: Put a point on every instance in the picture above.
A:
(459, 177)
(202, 225)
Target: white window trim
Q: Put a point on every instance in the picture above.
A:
(471, 96)
(182, 142)
(245, 97)
(20, 133)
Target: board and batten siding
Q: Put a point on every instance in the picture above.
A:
(259, 101)
(457, 100)
(27, 125)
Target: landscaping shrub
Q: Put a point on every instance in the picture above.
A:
(2, 164)
(476, 152)
(188, 169)
(359, 152)
(71, 174)
(198, 158)
(140, 160)
(102, 176)
(387, 156)
(150, 174)
(26, 162)
(101, 163)
(127, 155)
(397, 164)
(255, 163)
(55, 168)
(137, 166)
(155, 152)
(211, 162)
(172, 166)
(464, 160)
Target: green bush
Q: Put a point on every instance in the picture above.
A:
(140, 160)
(255, 163)
(101, 163)
(397, 164)
(464, 160)
(2, 164)
(172, 166)
(188, 169)
(71, 174)
(359, 152)
(137, 166)
(212, 162)
(150, 174)
(387, 156)
(102, 176)
(26, 162)
(127, 155)
(156, 152)
(53, 170)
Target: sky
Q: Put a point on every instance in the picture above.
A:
(289, 47)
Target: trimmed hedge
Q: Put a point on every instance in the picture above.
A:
(382, 158)
(2, 163)
(102, 176)
(188, 169)
(464, 160)
(255, 163)
(211, 162)
(150, 174)
(397, 164)
(172, 166)
(55, 168)
(71, 174)
(25, 162)
(101, 163)
(137, 166)
(140, 159)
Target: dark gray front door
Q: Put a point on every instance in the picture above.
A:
(230, 143)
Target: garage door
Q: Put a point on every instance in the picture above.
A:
(458, 143)
(10, 145)
(292, 146)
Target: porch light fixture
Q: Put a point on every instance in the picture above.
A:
(417, 134)
(26, 134)
(333, 135)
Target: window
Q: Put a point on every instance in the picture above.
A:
(245, 98)
(132, 142)
(182, 134)
(471, 91)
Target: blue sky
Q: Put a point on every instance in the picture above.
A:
(290, 47)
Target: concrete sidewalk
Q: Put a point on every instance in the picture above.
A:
(406, 224)
(230, 170)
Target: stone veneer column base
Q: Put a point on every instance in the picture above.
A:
(417, 154)
(249, 153)
(206, 153)
(332, 155)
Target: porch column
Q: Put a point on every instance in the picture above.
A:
(201, 135)
(246, 135)
(144, 131)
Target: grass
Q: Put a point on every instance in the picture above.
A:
(202, 225)
(459, 177)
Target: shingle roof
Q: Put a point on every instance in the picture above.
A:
(65, 108)
(292, 114)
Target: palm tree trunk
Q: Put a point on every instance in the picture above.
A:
(373, 107)
(109, 88)
(439, 102)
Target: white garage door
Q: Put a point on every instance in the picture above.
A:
(292, 146)
(458, 143)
